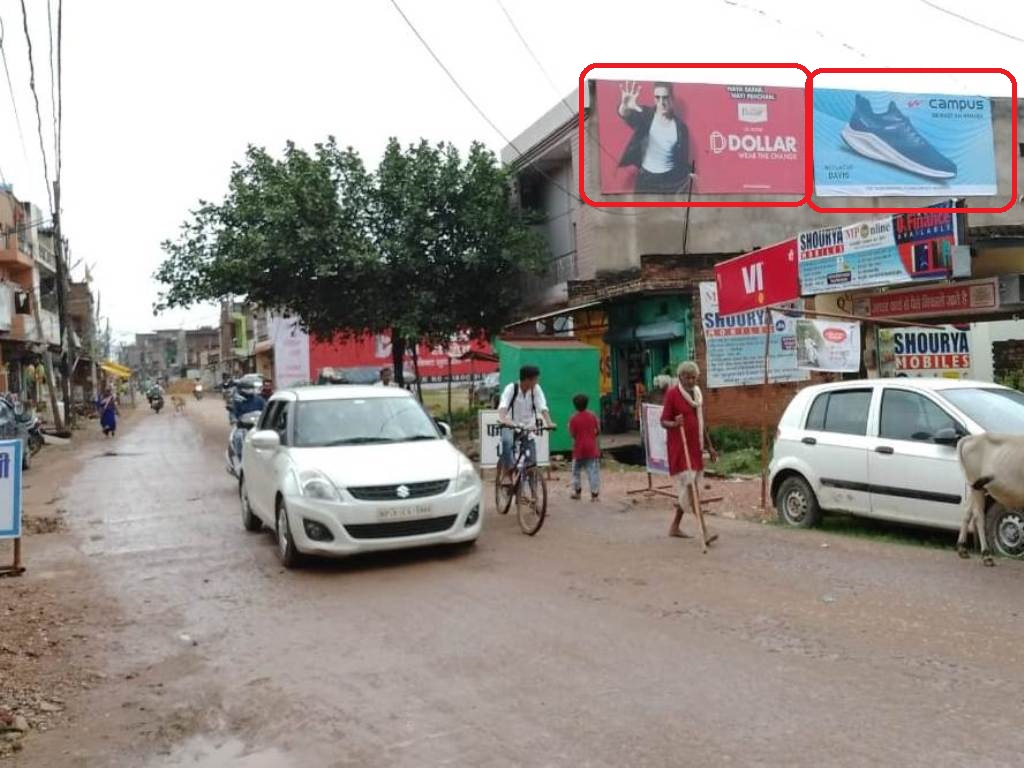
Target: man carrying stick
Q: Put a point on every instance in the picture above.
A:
(683, 417)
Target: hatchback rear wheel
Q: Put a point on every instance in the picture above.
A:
(1004, 530)
(796, 504)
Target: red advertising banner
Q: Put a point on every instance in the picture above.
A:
(977, 297)
(734, 138)
(757, 279)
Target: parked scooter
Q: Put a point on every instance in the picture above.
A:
(240, 426)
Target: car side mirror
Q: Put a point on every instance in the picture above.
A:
(266, 440)
(445, 428)
(947, 436)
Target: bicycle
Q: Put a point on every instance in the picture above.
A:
(532, 495)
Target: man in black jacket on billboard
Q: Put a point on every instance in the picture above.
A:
(660, 145)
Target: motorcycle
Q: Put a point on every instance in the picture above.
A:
(198, 391)
(233, 454)
(156, 402)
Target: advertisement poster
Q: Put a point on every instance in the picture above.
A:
(291, 353)
(10, 489)
(826, 345)
(915, 352)
(926, 241)
(733, 138)
(655, 440)
(490, 442)
(735, 345)
(884, 251)
(878, 143)
(760, 278)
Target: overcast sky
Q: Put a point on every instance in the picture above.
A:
(160, 98)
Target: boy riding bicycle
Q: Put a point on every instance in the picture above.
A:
(522, 405)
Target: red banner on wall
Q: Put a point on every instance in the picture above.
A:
(758, 279)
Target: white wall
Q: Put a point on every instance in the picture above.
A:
(983, 335)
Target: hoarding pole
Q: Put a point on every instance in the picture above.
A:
(764, 413)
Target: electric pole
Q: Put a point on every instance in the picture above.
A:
(63, 309)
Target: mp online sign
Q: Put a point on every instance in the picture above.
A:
(10, 489)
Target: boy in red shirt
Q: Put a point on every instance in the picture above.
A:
(584, 428)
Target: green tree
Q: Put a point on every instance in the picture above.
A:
(423, 248)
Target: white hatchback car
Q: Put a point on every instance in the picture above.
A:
(886, 448)
(338, 470)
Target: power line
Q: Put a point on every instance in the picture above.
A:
(978, 24)
(60, 89)
(35, 95)
(53, 80)
(10, 90)
(548, 77)
(483, 114)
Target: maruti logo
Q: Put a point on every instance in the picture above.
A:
(5, 465)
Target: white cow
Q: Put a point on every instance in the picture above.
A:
(994, 466)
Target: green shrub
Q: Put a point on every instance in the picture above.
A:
(730, 439)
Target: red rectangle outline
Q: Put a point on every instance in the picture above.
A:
(700, 204)
(809, 130)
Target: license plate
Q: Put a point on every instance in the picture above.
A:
(386, 514)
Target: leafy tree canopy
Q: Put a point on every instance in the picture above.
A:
(426, 246)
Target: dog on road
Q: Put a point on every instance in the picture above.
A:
(179, 403)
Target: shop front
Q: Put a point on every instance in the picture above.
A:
(647, 336)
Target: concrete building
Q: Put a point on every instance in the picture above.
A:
(627, 277)
(26, 275)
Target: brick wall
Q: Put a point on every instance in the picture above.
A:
(1007, 357)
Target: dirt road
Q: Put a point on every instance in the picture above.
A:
(601, 642)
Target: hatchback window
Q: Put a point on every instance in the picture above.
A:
(995, 410)
(361, 421)
(911, 416)
(269, 414)
(844, 412)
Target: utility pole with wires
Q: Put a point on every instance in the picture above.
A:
(63, 309)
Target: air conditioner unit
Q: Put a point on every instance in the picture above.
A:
(1011, 289)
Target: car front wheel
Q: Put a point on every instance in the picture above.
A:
(286, 550)
(1004, 529)
(250, 521)
(796, 504)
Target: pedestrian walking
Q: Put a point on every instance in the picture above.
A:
(586, 454)
(107, 406)
(683, 418)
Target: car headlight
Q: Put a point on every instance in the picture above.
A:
(315, 485)
(467, 476)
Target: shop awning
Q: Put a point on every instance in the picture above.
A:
(664, 330)
(116, 369)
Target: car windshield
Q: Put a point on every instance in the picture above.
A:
(995, 410)
(361, 421)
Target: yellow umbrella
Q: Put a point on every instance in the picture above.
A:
(115, 369)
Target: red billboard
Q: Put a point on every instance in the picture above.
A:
(375, 351)
(660, 138)
(761, 278)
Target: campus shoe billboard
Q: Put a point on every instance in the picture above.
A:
(659, 138)
(879, 143)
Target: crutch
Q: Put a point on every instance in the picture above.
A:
(695, 494)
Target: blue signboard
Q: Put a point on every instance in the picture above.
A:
(10, 489)
(879, 143)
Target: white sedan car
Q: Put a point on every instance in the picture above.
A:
(338, 470)
(886, 448)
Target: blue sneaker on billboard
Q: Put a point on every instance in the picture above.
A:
(890, 138)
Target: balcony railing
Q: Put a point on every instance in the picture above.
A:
(50, 327)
